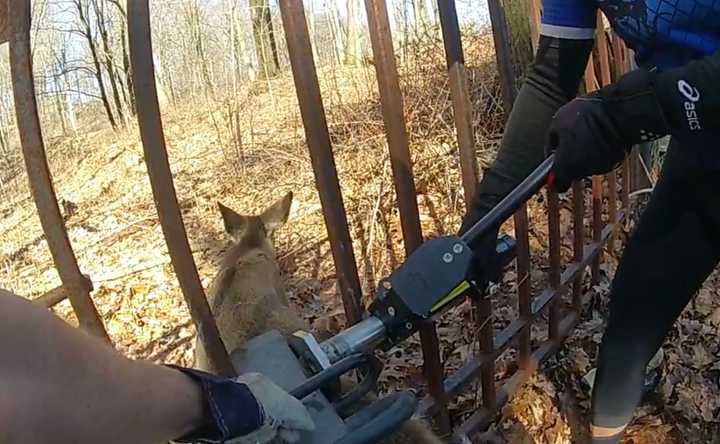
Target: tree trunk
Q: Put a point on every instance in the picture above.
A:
(128, 89)
(128, 70)
(336, 30)
(235, 56)
(99, 6)
(86, 31)
(264, 37)
(353, 54)
(422, 17)
(193, 17)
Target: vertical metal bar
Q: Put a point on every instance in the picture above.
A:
(602, 50)
(78, 287)
(596, 225)
(487, 374)
(503, 53)
(554, 239)
(321, 156)
(153, 139)
(605, 78)
(393, 116)
(460, 95)
(434, 373)
(578, 240)
(590, 80)
(620, 69)
(523, 284)
(625, 193)
(590, 85)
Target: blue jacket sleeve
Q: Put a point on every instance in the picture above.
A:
(568, 19)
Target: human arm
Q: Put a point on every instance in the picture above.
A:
(552, 81)
(592, 134)
(58, 384)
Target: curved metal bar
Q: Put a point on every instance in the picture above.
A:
(77, 286)
(156, 158)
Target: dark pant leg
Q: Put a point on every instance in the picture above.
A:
(673, 250)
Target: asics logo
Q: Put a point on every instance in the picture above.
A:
(693, 96)
(691, 93)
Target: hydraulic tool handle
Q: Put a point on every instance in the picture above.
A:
(503, 210)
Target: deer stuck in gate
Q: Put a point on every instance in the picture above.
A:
(247, 297)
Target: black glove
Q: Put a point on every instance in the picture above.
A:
(592, 134)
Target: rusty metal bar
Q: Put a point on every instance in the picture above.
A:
(460, 96)
(393, 116)
(620, 68)
(601, 42)
(161, 181)
(503, 53)
(612, 207)
(38, 171)
(483, 416)
(522, 245)
(625, 192)
(483, 308)
(456, 382)
(53, 297)
(596, 225)
(321, 155)
(397, 138)
(434, 373)
(590, 85)
(578, 191)
(553, 209)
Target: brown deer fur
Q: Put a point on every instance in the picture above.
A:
(247, 296)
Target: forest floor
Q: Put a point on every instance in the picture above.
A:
(248, 162)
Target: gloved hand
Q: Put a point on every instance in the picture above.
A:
(285, 416)
(592, 134)
(248, 410)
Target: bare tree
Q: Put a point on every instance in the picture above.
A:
(193, 17)
(102, 27)
(422, 17)
(86, 31)
(353, 52)
(129, 90)
(264, 37)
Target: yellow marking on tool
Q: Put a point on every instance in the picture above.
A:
(455, 292)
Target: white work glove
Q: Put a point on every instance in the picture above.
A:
(285, 416)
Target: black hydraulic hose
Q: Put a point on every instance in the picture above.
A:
(339, 368)
(379, 419)
(503, 210)
(366, 385)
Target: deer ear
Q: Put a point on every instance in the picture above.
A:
(277, 214)
(233, 222)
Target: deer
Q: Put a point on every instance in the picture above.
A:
(247, 297)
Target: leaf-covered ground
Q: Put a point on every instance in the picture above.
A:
(119, 243)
